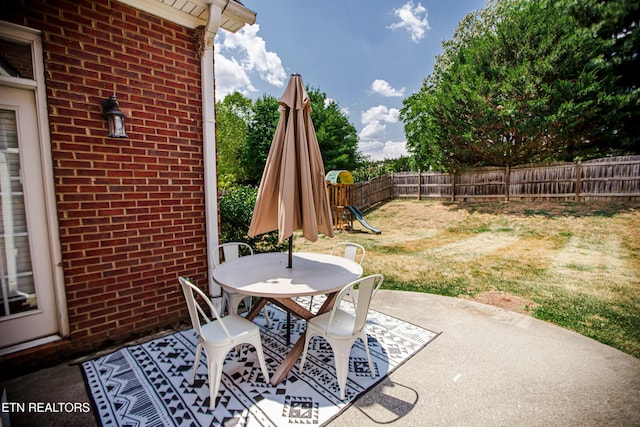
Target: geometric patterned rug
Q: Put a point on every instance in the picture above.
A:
(148, 384)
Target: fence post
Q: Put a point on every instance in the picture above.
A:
(453, 184)
(392, 188)
(578, 179)
(419, 183)
(507, 181)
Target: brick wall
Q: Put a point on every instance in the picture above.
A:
(131, 211)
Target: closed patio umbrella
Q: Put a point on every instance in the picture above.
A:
(292, 194)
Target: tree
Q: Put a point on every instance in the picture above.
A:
(232, 115)
(337, 137)
(260, 132)
(373, 169)
(521, 82)
(616, 23)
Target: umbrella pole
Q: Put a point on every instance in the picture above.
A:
(288, 313)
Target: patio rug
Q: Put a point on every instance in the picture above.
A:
(148, 384)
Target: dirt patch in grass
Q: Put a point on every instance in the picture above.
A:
(507, 301)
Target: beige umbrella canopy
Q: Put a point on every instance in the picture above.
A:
(292, 194)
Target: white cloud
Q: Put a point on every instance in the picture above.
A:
(413, 19)
(372, 131)
(378, 150)
(372, 137)
(231, 77)
(395, 149)
(373, 149)
(383, 88)
(380, 113)
(241, 53)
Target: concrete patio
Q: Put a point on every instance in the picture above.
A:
(489, 367)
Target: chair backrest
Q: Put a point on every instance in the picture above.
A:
(366, 286)
(231, 251)
(193, 295)
(353, 251)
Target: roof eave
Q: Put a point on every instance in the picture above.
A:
(195, 13)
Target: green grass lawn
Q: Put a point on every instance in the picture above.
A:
(573, 264)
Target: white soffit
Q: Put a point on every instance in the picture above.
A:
(194, 13)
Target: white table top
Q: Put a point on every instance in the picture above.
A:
(267, 275)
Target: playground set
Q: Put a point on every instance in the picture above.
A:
(340, 189)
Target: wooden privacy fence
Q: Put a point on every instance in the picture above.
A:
(613, 178)
(368, 194)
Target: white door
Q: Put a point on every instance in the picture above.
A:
(28, 305)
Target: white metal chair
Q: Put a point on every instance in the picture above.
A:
(353, 251)
(341, 329)
(231, 300)
(218, 336)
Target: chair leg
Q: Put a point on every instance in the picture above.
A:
(307, 339)
(247, 303)
(364, 339)
(266, 316)
(233, 301)
(239, 350)
(215, 375)
(196, 361)
(341, 353)
(225, 303)
(257, 344)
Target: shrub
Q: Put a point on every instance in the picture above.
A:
(236, 210)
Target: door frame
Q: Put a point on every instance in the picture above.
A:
(21, 34)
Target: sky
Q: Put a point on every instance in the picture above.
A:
(367, 55)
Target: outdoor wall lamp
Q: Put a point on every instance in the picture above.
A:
(115, 117)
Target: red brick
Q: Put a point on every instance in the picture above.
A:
(130, 211)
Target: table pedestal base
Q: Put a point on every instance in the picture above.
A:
(292, 307)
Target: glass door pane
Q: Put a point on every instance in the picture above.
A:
(16, 275)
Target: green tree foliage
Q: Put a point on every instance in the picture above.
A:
(336, 136)
(373, 169)
(521, 82)
(615, 24)
(232, 115)
(260, 133)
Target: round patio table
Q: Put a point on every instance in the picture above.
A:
(266, 276)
